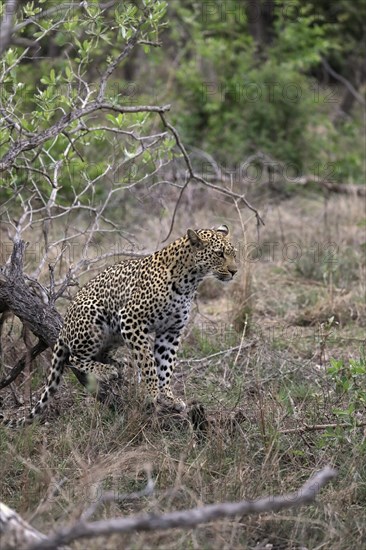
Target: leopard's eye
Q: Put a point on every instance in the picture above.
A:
(220, 252)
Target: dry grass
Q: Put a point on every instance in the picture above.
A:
(273, 379)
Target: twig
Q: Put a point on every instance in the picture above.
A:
(188, 179)
(113, 65)
(223, 352)
(151, 43)
(344, 81)
(68, 281)
(189, 518)
(318, 427)
(22, 363)
(196, 177)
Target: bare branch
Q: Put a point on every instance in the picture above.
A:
(200, 179)
(189, 518)
(21, 364)
(319, 427)
(151, 43)
(14, 531)
(344, 188)
(344, 81)
(278, 167)
(68, 281)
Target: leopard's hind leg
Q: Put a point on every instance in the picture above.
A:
(99, 378)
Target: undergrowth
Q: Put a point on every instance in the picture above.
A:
(283, 384)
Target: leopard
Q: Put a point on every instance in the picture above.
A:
(142, 303)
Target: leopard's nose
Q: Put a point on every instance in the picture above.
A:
(232, 270)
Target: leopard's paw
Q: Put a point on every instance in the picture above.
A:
(172, 402)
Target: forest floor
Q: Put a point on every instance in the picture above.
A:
(280, 352)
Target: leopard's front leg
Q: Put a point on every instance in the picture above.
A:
(165, 351)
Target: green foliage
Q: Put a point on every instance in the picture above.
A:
(301, 36)
(236, 95)
(349, 381)
(234, 92)
(76, 45)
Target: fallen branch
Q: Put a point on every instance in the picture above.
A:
(15, 532)
(342, 188)
(187, 518)
(319, 427)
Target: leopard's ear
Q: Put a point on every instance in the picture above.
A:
(223, 229)
(195, 240)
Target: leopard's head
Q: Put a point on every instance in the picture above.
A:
(213, 252)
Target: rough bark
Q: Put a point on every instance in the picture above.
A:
(16, 296)
(44, 321)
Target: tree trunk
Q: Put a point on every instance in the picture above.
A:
(17, 297)
(260, 20)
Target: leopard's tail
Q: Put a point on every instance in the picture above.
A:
(59, 359)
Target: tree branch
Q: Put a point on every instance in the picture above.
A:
(332, 187)
(188, 518)
(15, 532)
(42, 319)
(193, 176)
(36, 140)
(112, 66)
(344, 81)
(319, 427)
